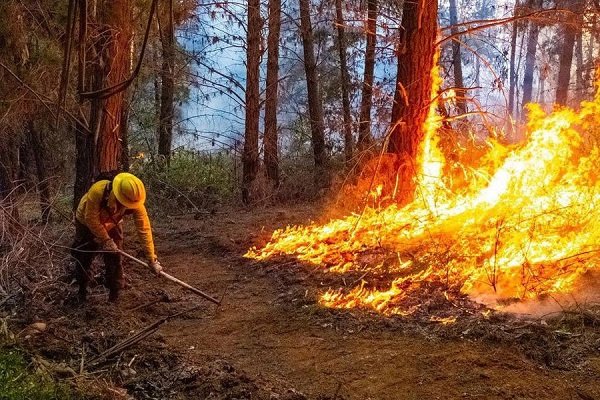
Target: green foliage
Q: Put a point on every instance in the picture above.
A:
(192, 181)
(18, 381)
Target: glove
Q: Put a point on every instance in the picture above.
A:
(156, 267)
(110, 246)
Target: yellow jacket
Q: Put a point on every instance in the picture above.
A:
(100, 220)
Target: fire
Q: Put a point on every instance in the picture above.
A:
(520, 222)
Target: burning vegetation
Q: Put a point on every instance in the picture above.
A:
(516, 222)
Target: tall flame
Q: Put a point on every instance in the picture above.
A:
(520, 222)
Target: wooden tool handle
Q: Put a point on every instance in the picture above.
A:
(173, 279)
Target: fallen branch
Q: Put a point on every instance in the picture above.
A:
(132, 340)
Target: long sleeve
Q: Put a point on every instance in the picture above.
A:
(142, 223)
(91, 213)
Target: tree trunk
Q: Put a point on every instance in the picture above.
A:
(8, 164)
(461, 103)
(345, 84)
(364, 123)
(315, 106)
(271, 150)
(108, 61)
(580, 68)
(250, 156)
(83, 140)
(541, 99)
(125, 137)
(412, 97)
(566, 56)
(117, 32)
(84, 162)
(530, 56)
(25, 165)
(153, 147)
(38, 149)
(165, 127)
(590, 62)
(512, 68)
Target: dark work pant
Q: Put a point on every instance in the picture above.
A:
(85, 249)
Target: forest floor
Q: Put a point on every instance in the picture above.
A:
(271, 340)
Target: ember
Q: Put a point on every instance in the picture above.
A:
(520, 223)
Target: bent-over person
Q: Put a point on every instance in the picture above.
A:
(99, 229)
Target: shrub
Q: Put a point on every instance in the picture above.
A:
(192, 181)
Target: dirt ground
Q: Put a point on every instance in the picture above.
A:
(271, 335)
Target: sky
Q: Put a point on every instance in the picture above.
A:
(217, 117)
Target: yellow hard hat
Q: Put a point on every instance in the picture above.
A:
(129, 190)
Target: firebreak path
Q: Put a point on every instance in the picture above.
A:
(254, 332)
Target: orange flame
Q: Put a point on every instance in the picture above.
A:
(522, 222)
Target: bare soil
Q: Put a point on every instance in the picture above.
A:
(271, 340)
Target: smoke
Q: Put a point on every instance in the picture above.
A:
(586, 293)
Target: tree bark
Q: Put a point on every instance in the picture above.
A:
(461, 103)
(416, 57)
(250, 156)
(315, 106)
(117, 32)
(566, 56)
(270, 138)
(167, 78)
(345, 84)
(364, 123)
(530, 56)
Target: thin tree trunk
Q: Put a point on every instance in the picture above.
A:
(39, 154)
(364, 124)
(84, 165)
(541, 99)
(530, 56)
(270, 138)
(8, 164)
(461, 103)
(315, 106)
(590, 62)
(84, 143)
(580, 68)
(345, 84)
(25, 165)
(250, 156)
(512, 68)
(566, 56)
(125, 137)
(165, 128)
(416, 57)
(156, 122)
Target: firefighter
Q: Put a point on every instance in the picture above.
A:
(99, 228)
